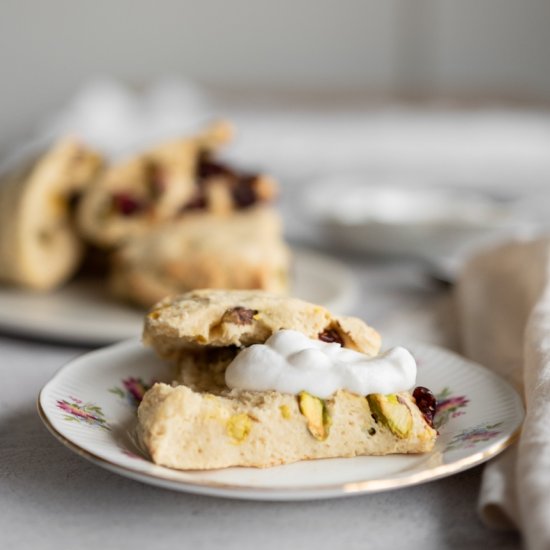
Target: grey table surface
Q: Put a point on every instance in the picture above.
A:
(51, 498)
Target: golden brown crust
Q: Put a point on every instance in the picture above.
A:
(243, 250)
(39, 247)
(200, 318)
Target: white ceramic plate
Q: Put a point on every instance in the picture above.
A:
(406, 218)
(90, 406)
(83, 312)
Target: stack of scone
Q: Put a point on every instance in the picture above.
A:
(206, 419)
(169, 220)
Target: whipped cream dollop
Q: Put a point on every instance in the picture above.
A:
(290, 362)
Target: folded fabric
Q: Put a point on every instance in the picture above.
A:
(503, 300)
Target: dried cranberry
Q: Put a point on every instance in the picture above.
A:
(243, 192)
(331, 336)
(208, 168)
(198, 202)
(126, 204)
(240, 184)
(426, 402)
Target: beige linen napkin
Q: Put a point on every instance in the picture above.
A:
(503, 300)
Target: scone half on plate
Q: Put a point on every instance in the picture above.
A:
(167, 183)
(39, 246)
(241, 250)
(290, 353)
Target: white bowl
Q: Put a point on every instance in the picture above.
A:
(397, 218)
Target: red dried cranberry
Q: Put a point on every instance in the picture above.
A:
(331, 336)
(126, 204)
(198, 202)
(243, 192)
(208, 168)
(426, 402)
(241, 185)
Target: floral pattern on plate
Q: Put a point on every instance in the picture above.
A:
(469, 438)
(479, 414)
(133, 389)
(448, 406)
(85, 413)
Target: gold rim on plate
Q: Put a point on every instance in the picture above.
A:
(339, 489)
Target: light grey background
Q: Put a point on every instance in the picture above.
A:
(471, 48)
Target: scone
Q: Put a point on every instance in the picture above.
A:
(241, 250)
(205, 319)
(167, 183)
(187, 430)
(39, 247)
(201, 423)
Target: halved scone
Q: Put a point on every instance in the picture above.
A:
(225, 318)
(167, 183)
(199, 422)
(39, 246)
(243, 250)
(185, 429)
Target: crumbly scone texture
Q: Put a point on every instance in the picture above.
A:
(162, 184)
(221, 318)
(184, 429)
(39, 246)
(243, 250)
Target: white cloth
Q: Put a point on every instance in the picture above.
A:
(504, 308)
